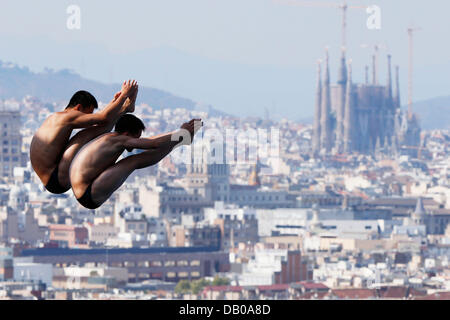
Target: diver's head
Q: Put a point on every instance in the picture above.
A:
(129, 125)
(83, 101)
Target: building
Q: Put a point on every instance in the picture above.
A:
(294, 269)
(203, 185)
(100, 233)
(6, 264)
(364, 118)
(194, 234)
(11, 155)
(27, 270)
(67, 236)
(236, 224)
(167, 263)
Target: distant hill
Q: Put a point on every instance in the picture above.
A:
(434, 113)
(49, 86)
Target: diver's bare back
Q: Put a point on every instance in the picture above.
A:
(48, 145)
(95, 158)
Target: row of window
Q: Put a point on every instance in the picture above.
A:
(13, 150)
(132, 226)
(168, 263)
(13, 142)
(13, 159)
(180, 210)
(183, 274)
(256, 198)
(179, 199)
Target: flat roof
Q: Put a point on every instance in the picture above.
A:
(72, 252)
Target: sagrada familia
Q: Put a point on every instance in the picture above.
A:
(361, 118)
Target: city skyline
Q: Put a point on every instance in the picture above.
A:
(167, 57)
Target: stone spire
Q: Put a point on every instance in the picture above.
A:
(342, 83)
(348, 114)
(342, 76)
(389, 81)
(420, 209)
(389, 100)
(367, 74)
(325, 135)
(317, 107)
(397, 88)
(374, 70)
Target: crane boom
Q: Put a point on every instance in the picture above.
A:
(411, 31)
(316, 4)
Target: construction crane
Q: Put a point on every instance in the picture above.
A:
(411, 31)
(343, 6)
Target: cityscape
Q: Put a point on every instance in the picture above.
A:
(352, 205)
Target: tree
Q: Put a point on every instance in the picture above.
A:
(220, 281)
(198, 285)
(183, 286)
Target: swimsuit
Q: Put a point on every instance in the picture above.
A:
(53, 184)
(86, 199)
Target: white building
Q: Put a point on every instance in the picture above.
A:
(26, 270)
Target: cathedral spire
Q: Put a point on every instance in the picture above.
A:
(397, 88)
(317, 107)
(367, 74)
(348, 113)
(325, 135)
(389, 80)
(342, 82)
(374, 70)
(342, 76)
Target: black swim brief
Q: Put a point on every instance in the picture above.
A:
(86, 199)
(53, 184)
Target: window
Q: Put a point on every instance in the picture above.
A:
(5, 150)
(14, 142)
(169, 263)
(5, 142)
(195, 263)
(14, 150)
(183, 274)
(195, 274)
(170, 274)
(5, 158)
(182, 263)
(156, 263)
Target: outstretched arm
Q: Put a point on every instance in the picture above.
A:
(111, 112)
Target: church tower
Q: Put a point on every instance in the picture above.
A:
(325, 123)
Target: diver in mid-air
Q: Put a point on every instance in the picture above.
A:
(52, 150)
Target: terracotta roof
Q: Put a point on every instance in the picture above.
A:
(394, 292)
(313, 295)
(312, 285)
(224, 288)
(354, 293)
(436, 296)
(274, 287)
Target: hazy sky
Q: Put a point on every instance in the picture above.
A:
(260, 38)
